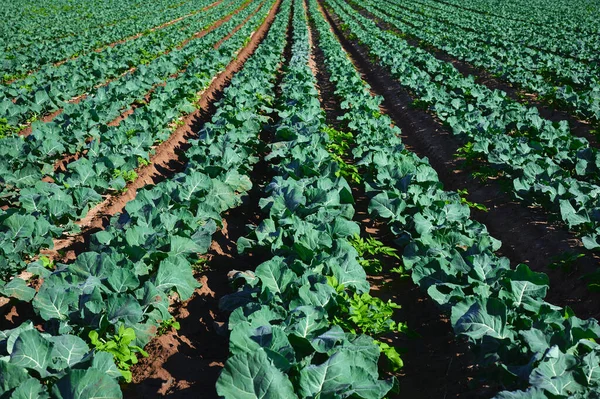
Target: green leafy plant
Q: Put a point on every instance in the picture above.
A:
(47, 262)
(391, 353)
(369, 249)
(143, 162)
(120, 346)
(127, 175)
(363, 313)
(463, 200)
(167, 325)
(6, 129)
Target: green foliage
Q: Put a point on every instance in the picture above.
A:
(463, 200)
(167, 325)
(371, 250)
(363, 313)
(143, 162)
(339, 148)
(121, 347)
(393, 356)
(127, 175)
(6, 129)
(47, 262)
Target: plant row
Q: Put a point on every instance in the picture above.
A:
(28, 51)
(47, 210)
(99, 311)
(72, 131)
(541, 159)
(572, 84)
(577, 18)
(50, 87)
(500, 309)
(300, 321)
(544, 37)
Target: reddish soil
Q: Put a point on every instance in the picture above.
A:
(578, 127)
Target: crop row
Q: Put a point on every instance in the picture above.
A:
(544, 37)
(576, 18)
(46, 210)
(572, 84)
(50, 87)
(500, 309)
(28, 51)
(286, 340)
(107, 304)
(544, 162)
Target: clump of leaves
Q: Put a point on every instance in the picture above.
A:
(6, 129)
(365, 314)
(371, 250)
(167, 325)
(338, 147)
(392, 355)
(143, 161)
(120, 346)
(47, 262)
(127, 175)
(475, 205)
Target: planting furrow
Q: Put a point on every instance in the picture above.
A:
(501, 310)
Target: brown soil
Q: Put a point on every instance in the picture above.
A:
(526, 234)
(577, 126)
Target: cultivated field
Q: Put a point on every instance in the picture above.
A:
(285, 199)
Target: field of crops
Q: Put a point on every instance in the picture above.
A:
(285, 199)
